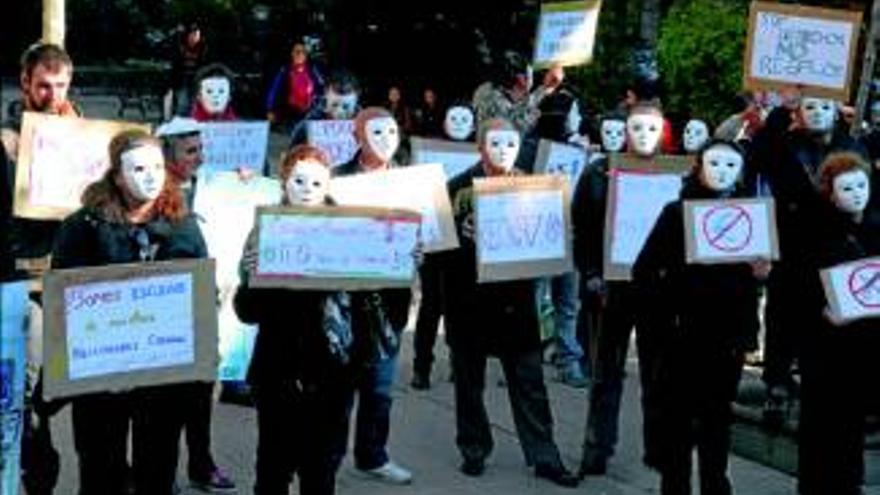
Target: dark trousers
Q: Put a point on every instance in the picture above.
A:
(430, 311)
(694, 392)
(197, 407)
(528, 401)
(101, 424)
(784, 321)
(301, 431)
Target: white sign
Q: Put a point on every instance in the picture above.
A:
(418, 187)
(334, 137)
(521, 227)
(13, 321)
(561, 159)
(730, 231)
(229, 146)
(456, 157)
(639, 200)
(567, 33)
(853, 289)
(130, 325)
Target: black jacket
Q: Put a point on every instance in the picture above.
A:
(588, 218)
(715, 306)
(496, 317)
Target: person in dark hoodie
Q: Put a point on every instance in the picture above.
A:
(301, 372)
(709, 321)
(134, 214)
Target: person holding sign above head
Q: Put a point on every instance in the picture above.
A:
(213, 103)
(705, 320)
(837, 362)
(495, 319)
(302, 369)
(134, 214)
(378, 137)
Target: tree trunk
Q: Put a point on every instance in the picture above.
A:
(868, 65)
(53, 21)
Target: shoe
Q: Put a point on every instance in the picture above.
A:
(420, 381)
(557, 474)
(572, 375)
(594, 467)
(217, 481)
(389, 473)
(473, 467)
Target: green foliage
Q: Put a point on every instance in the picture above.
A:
(700, 55)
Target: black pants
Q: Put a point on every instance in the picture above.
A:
(101, 425)
(302, 430)
(528, 401)
(197, 407)
(784, 322)
(695, 389)
(430, 311)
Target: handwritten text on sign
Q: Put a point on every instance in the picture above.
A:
(731, 230)
(347, 247)
(124, 326)
(567, 33)
(561, 159)
(640, 199)
(853, 289)
(229, 146)
(335, 137)
(521, 227)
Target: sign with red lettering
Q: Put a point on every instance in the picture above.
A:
(522, 227)
(119, 327)
(730, 231)
(853, 289)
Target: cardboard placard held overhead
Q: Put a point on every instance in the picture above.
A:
(456, 157)
(334, 137)
(638, 189)
(58, 157)
(335, 247)
(566, 33)
(421, 188)
(853, 289)
(811, 48)
(730, 231)
(119, 327)
(523, 227)
(229, 146)
(561, 159)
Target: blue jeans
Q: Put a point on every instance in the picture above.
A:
(563, 295)
(374, 413)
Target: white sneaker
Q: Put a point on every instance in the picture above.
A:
(389, 473)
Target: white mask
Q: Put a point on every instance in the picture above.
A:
(502, 148)
(340, 106)
(644, 132)
(143, 171)
(382, 137)
(721, 168)
(852, 191)
(459, 123)
(696, 133)
(214, 93)
(307, 184)
(613, 135)
(573, 121)
(819, 114)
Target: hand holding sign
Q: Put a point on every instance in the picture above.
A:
(853, 290)
(730, 231)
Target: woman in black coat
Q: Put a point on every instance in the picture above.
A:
(706, 317)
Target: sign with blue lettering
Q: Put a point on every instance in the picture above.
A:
(124, 326)
(13, 321)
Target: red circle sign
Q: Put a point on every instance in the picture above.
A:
(728, 228)
(864, 285)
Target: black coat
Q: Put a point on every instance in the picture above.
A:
(496, 317)
(588, 218)
(712, 305)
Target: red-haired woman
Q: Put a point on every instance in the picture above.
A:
(133, 214)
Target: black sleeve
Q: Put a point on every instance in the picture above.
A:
(397, 302)
(653, 265)
(75, 243)
(588, 221)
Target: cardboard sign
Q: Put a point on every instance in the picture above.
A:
(730, 231)
(566, 33)
(418, 187)
(638, 189)
(808, 47)
(455, 156)
(561, 159)
(13, 357)
(335, 247)
(58, 157)
(226, 205)
(229, 146)
(853, 289)
(335, 137)
(522, 227)
(119, 327)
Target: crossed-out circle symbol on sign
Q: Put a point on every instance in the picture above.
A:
(864, 285)
(727, 228)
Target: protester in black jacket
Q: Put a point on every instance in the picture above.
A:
(838, 361)
(133, 214)
(709, 321)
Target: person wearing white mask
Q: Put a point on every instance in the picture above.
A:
(214, 90)
(708, 317)
(498, 319)
(695, 135)
(613, 135)
(458, 125)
